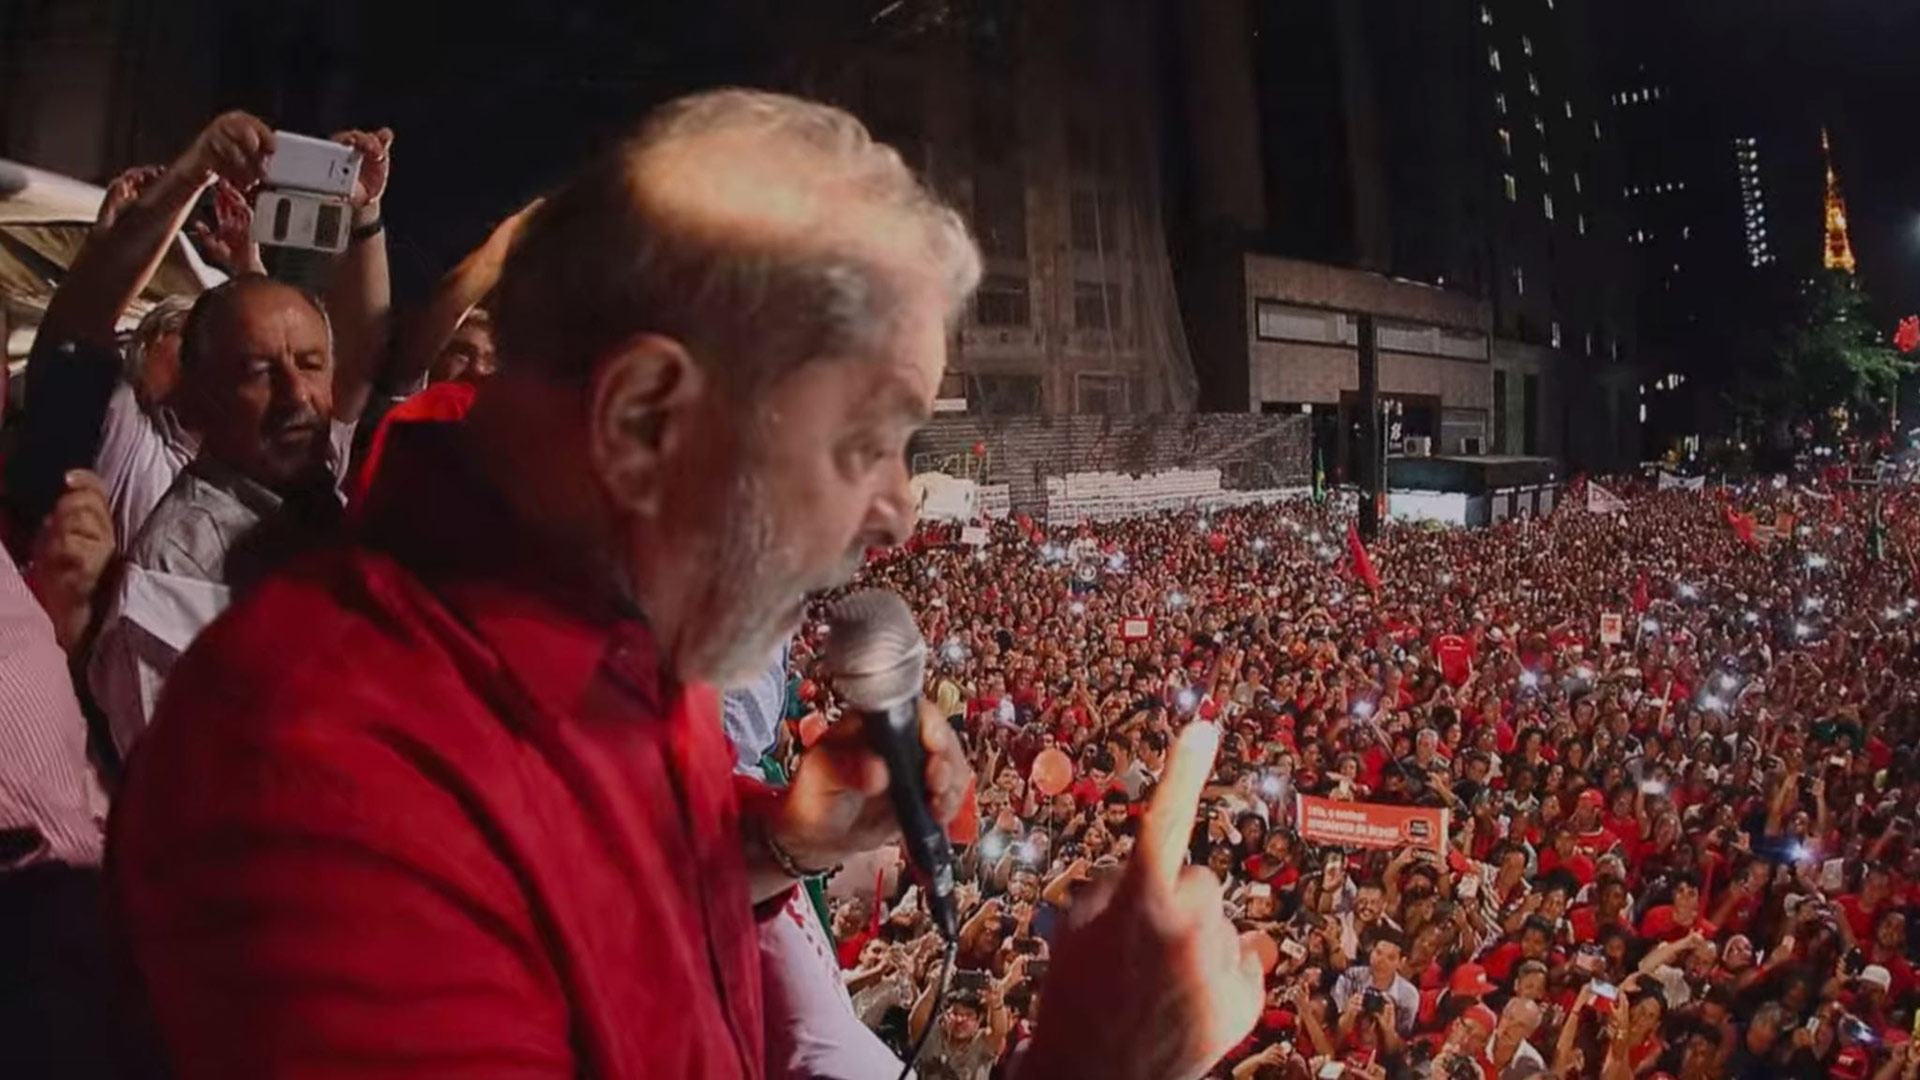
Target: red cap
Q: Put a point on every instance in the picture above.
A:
(1483, 1016)
(1592, 797)
(1470, 980)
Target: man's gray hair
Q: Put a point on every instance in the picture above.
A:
(168, 316)
(761, 231)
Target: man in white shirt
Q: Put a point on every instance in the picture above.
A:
(257, 366)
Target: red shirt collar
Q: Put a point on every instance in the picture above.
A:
(552, 621)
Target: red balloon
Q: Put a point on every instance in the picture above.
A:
(1052, 771)
(979, 449)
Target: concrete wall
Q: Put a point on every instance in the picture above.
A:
(1588, 412)
(1301, 371)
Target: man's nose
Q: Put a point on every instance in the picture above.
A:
(890, 519)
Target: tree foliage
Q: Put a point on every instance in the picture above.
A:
(1829, 354)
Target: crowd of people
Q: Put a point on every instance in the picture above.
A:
(1688, 852)
(397, 577)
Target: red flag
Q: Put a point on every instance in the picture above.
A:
(1907, 337)
(1362, 565)
(1640, 599)
(1742, 527)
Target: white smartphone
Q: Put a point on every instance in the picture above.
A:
(297, 219)
(1293, 949)
(304, 163)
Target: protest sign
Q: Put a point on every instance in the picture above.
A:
(1370, 825)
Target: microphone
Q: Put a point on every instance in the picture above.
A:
(877, 658)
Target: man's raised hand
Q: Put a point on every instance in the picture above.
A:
(1151, 981)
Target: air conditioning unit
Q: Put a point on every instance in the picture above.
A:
(1417, 446)
(1473, 445)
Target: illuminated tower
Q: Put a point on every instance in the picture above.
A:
(1839, 253)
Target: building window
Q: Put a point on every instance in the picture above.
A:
(1000, 395)
(1493, 57)
(1486, 15)
(1526, 44)
(1093, 306)
(1100, 394)
(1581, 221)
(1506, 142)
(1519, 281)
(1533, 84)
(1577, 189)
(1530, 414)
(1546, 204)
(1546, 167)
(1556, 333)
(1002, 301)
(1500, 412)
(1083, 221)
(1589, 343)
(1500, 103)
(1569, 109)
(1539, 126)
(1512, 187)
(1000, 210)
(1596, 131)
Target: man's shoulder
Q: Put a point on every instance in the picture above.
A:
(185, 533)
(335, 635)
(318, 680)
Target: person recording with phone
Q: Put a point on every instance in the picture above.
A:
(121, 414)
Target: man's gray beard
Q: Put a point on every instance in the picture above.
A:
(744, 595)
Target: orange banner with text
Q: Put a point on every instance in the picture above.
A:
(1370, 825)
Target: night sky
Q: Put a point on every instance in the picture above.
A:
(492, 109)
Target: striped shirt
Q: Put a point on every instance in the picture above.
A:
(46, 781)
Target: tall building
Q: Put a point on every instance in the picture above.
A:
(1721, 187)
(1030, 118)
(1459, 145)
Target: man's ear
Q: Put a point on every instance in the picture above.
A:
(643, 398)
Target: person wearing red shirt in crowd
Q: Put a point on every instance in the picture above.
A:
(1455, 656)
(1740, 902)
(1608, 909)
(1565, 854)
(1888, 949)
(1624, 819)
(508, 840)
(1093, 787)
(1679, 917)
(1535, 943)
(1861, 909)
(1589, 834)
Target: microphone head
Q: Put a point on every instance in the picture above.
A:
(875, 654)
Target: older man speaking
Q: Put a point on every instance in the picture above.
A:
(454, 799)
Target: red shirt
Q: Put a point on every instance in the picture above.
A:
(1659, 924)
(1586, 924)
(1455, 658)
(423, 805)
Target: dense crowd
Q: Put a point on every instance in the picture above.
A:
(1689, 853)
(1673, 743)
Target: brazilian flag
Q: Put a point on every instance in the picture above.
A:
(1319, 477)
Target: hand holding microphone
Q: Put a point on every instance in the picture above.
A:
(900, 771)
